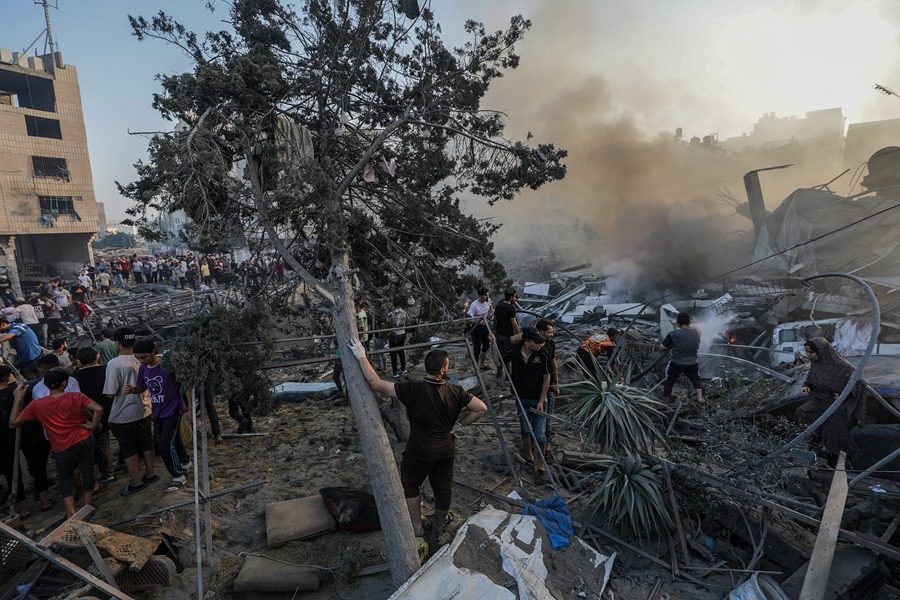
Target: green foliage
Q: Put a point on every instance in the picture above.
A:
(618, 418)
(631, 497)
(372, 91)
(223, 346)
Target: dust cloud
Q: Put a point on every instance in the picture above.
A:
(654, 211)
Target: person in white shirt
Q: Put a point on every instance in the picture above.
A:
(481, 311)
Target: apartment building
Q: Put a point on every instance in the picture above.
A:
(48, 211)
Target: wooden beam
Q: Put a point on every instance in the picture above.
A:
(62, 563)
(87, 539)
(815, 584)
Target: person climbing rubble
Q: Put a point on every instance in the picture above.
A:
(596, 345)
(684, 342)
(433, 406)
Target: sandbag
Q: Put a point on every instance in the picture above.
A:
(354, 510)
(263, 575)
(298, 519)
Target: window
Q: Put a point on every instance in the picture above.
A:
(30, 91)
(41, 127)
(59, 205)
(46, 166)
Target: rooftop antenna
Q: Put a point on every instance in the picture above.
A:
(47, 4)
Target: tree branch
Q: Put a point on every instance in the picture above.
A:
(267, 224)
(373, 148)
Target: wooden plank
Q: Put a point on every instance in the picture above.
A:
(62, 563)
(87, 539)
(816, 582)
(677, 514)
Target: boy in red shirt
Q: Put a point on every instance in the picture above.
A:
(63, 418)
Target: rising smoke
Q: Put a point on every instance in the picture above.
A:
(645, 209)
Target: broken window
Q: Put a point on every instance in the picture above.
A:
(27, 91)
(57, 205)
(41, 127)
(48, 166)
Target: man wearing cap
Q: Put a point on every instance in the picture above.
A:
(530, 373)
(129, 417)
(25, 343)
(433, 406)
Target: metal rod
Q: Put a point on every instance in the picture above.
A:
(890, 457)
(199, 555)
(487, 400)
(537, 447)
(204, 456)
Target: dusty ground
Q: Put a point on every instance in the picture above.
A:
(314, 444)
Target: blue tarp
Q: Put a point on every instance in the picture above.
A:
(553, 513)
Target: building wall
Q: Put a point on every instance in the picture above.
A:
(20, 187)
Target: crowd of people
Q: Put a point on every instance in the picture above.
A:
(73, 406)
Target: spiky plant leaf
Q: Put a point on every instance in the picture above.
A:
(631, 497)
(618, 418)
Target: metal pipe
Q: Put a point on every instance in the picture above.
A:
(854, 377)
(889, 458)
(490, 405)
(199, 554)
(204, 455)
(537, 447)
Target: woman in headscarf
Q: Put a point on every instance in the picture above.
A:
(828, 375)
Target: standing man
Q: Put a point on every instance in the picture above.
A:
(91, 379)
(397, 336)
(684, 342)
(104, 280)
(61, 351)
(506, 324)
(480, 312)
(62, 416)
(106, 347)
(129, 418)
(166, 402)
(530, 374)
(433, 406)
(546, 329)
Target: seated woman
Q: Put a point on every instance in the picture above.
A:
(829, 372)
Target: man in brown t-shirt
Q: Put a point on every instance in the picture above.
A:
(433, 406)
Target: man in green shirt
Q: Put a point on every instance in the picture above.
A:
(106, 347)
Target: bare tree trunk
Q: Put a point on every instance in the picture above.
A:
(376, 447)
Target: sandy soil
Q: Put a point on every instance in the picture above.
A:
(314, 444)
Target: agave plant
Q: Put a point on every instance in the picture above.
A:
(618, 418)
(631, 497)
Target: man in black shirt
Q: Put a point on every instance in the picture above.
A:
(433, 406)
(530, 373)
(505, 323)
(91, 378)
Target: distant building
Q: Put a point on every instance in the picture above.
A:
(101, 219)
(864, 139)
(48, 211)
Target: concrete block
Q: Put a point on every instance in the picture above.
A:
(263, 575)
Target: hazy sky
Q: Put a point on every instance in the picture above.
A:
(705, 65)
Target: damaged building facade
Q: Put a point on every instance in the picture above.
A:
(48, 211)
